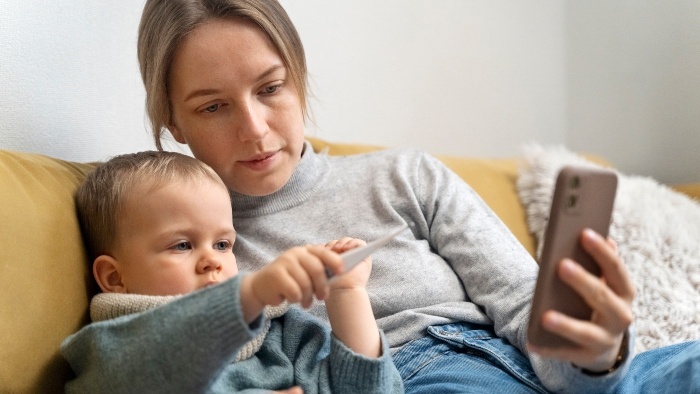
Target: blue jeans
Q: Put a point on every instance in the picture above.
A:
(468, 358)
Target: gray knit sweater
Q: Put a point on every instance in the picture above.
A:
(458, 262)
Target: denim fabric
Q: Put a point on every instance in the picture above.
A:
(670, 369)
(469, 358)
(464, 358)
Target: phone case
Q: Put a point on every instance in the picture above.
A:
(583, 198)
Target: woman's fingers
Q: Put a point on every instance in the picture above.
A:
(596, 348)
(583, 333)
(612, 267)
(610, 310)
(610, 298)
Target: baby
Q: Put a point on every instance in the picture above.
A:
(159, 231)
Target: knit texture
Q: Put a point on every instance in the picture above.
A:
(189, 344)
(105, 306)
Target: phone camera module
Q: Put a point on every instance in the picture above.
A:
(575, 182)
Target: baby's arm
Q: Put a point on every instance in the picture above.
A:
(348, 306)
(300, 273)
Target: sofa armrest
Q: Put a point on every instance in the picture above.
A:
(43, 270)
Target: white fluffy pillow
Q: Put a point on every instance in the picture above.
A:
(658, 235)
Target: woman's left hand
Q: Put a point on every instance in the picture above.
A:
(610, 296)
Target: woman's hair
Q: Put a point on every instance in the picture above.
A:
(164, 23)
(101, 198)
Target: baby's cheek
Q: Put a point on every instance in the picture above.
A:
(230, 270)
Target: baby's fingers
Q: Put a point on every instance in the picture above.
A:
(346, 243)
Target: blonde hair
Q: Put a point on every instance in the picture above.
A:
(101, 198)
(164, 23)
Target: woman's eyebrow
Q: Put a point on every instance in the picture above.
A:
(269, 71)
(201, 92)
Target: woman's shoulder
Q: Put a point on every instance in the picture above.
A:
(395, 156)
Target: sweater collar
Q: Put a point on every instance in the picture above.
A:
(304, 182)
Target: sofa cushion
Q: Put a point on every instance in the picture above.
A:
(43, 270)
(689, 189)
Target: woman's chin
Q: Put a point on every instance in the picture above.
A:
(259, 188)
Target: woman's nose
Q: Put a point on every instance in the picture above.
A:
(252, 121)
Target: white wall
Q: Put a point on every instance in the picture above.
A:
(479, 78)
(634, 84)
(69, 80)
(453, 77)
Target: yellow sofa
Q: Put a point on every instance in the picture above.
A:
(45, 283)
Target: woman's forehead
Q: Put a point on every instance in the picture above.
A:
(224, 49)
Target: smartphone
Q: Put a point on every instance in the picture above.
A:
(583, 198)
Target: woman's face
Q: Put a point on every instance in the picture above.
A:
(235, 106)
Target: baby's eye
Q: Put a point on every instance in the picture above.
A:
(182, 246)
(222, 245)
(212, 108)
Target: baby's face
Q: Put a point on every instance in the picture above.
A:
(176, 239)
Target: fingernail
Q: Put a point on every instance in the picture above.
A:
(568, 266)
(591, 234)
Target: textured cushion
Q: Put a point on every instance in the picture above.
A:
(492, 179)
(42, 270)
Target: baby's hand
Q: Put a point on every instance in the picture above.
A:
(358, 275)
(296, 276)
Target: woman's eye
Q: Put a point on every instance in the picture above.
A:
(182, 246)
(222, 245)
(271, 89)
(212, 108)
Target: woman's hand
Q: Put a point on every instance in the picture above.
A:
(610, 296)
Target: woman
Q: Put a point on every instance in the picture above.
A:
(228, 78)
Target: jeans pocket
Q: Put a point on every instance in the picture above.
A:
(482, 341)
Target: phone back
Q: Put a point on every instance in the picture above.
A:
(583, 198)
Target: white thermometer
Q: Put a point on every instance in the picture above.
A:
(353, 257)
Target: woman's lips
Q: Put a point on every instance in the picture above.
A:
(260, 162)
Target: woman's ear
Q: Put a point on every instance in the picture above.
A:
(106, 271)
(176, 134)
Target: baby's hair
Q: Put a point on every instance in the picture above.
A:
(105, 191)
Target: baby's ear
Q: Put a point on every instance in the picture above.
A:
(106, 271)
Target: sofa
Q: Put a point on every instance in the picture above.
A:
(45, 282)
